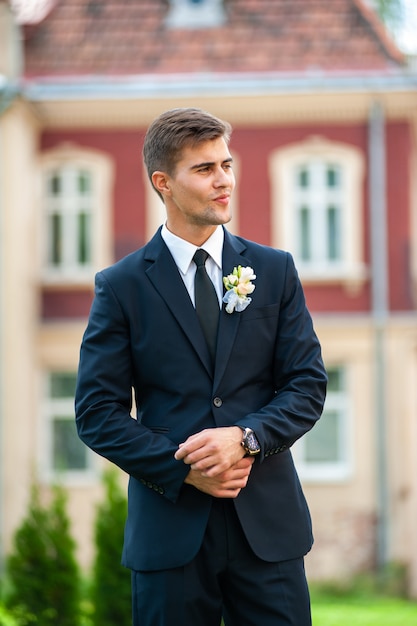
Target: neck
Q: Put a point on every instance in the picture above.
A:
(196, 235)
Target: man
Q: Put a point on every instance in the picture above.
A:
(217, 521)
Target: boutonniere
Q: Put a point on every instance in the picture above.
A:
(239, 286)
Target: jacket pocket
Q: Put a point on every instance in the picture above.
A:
(159, 429)
(260, 312)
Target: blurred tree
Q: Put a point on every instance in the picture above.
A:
(111, 595)
(43, 572)
(391, 12)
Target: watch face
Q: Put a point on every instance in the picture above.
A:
(251, 443)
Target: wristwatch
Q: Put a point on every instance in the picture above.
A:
(249, 442)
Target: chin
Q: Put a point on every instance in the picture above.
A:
(214, 219)
(223, 219)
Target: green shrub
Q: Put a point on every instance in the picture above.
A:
(111, 594)
(43, 572)
(6, 618)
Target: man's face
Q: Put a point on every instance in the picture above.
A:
(198, 192)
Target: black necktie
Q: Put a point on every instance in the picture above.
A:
(206, 301)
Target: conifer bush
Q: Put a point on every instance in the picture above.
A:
(6, 618)
(42, 568)
(111, 594)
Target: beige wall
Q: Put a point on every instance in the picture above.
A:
(402, 441)
(18, 284)
(345, 513)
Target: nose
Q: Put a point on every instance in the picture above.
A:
(224, 178)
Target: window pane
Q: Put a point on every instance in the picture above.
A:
(55, 185)
(55, 241)
(62, 384)
(303, 178)
(322, 442)
(317, 224)
(305, 234)
(69, 206)
(69, 453)
(333, 177)
(84, 253)
(333, 233)
(335, 382)
(84, 183)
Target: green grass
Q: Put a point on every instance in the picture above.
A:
(357, 609)
(362, 610)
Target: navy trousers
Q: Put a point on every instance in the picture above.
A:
(224, 579)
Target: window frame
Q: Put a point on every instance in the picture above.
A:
(351, 269)
(68, 159)
(64, 407)
(312, 204)
(342, 469)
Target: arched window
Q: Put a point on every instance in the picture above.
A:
(75, 201)
(317, 208)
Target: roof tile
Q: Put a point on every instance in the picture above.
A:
(116, 37)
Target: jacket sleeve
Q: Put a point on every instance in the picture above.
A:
(299, 376)
(103, 401)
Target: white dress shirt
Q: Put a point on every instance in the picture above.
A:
(183, 252)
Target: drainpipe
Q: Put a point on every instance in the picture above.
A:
(379, 266)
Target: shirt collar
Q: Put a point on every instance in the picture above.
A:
(183, 251)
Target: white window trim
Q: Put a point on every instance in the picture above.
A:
(101, 168)
(352, 271)
(342, 470)
(47, 472)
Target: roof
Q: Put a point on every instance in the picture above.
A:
(125, 37)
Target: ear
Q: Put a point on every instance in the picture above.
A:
(160, 181)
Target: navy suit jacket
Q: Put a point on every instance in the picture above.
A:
(143, 333)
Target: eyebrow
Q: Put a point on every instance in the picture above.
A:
(210, 163)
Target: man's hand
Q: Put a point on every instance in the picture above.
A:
(212, 451)
(228, 484)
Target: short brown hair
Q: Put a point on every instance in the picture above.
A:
(175, 129)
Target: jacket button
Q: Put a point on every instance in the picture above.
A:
(217, 402)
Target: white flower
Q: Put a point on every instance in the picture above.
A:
(246, 274)
(238, 285)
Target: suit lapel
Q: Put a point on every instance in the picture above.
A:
(165, 277)
(233, 250)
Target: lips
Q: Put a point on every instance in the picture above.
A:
(224, 199)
